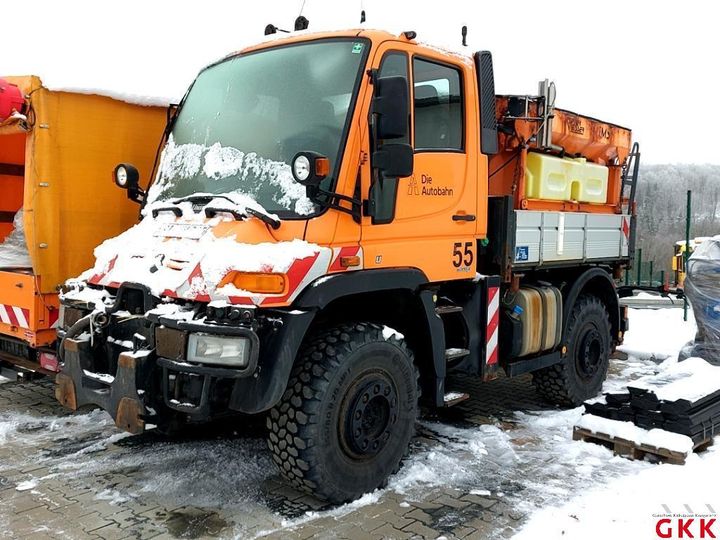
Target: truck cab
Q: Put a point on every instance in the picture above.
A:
(326, 239)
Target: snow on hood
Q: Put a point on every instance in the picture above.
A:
(184, 258)
(76, 290)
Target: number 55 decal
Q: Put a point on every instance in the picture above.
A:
(463, 254)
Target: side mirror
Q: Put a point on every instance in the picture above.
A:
(486, 87)
(394, 160)
(310, 168)
(391, 107)
(127, 177)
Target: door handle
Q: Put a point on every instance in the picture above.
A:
(463, 217)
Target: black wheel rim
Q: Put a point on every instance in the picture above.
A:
(368, 414)
(590, 352)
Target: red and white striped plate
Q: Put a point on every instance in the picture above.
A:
(15, 316)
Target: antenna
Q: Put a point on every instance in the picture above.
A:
(301, 23)
(464, 36)
(272, 29)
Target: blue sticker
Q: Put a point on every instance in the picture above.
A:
(522, 253)
(357, 48)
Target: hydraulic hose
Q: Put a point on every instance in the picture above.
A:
(76, 329)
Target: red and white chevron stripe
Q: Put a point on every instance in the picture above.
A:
(493, 320)
(14, 316)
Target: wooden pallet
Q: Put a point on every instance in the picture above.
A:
(634, 450)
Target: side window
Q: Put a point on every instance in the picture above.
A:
(396, 64)
(438, 106)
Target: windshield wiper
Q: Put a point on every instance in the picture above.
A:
(206, 198)
(174, 209)
(212, 211)
(265, 218)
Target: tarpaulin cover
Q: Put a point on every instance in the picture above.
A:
(70, 202)
(702, 287)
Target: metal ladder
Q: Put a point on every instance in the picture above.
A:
(629, 181)
(630, 174)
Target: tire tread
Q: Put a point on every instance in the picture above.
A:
(555, 383)
(293, 424)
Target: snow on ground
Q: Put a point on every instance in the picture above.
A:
(568, 488)
(7, 375)
(628, 506)
(533, 461)
(657, 334)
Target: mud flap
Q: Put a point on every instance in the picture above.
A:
(120, 398)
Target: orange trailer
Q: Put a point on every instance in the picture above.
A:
(54, 167)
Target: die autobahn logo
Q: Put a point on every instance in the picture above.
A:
(690, 522)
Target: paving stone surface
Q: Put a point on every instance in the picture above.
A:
(73, 475)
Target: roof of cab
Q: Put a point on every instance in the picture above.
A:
(376, 36)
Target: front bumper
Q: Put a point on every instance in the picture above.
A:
(144, 388)
(119, 395)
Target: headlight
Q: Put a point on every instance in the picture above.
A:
(223, 351)
(126, 176)
(301, 168)
(121, 176)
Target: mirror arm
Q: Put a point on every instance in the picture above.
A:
(373, 74)
(313, 193)
(375, 175)
(136, 194)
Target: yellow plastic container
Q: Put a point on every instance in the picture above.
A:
(565, 179)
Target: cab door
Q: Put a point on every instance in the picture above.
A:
(435, 211)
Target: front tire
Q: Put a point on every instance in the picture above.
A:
(582, 372)
(347, 417)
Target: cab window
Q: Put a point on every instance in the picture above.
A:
(438, 106)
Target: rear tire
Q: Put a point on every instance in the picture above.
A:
(347, 417)
(582, 372)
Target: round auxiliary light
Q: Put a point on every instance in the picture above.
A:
(301, 168)
(121, 176)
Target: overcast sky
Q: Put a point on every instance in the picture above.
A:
(651, 66)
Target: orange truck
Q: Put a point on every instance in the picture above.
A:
(338, 223)
(55, 148)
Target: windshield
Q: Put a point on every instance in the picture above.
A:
(245, 118)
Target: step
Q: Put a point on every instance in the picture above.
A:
(444, 310)
(453, 398)
(452, 354)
